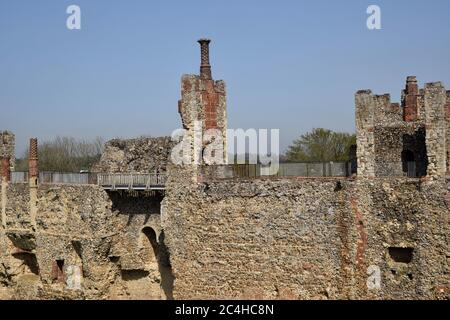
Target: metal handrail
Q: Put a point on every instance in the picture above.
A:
(113, 180)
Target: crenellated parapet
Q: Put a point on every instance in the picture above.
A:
(407, 139)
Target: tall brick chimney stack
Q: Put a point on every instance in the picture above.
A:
(203, 107)
(6, 169)
(33, 169)
(205, 67)
(410, 112)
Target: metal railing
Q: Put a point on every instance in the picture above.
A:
(315, 169)
(64, 178)
(303, 169)
(148, 181)
(19, 177)
(118, 181)
(107, 180)
(56, 177)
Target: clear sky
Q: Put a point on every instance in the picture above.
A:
(293, 65)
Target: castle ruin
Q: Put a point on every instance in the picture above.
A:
(382, 234)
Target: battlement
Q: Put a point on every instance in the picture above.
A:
(403, 139)
(379, 110)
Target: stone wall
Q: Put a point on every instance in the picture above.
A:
(17, 206)
(257, 238)
(141, 155)
(72, 233)
(306, 238)
(106, 239)
(406, 223)
(447, 117)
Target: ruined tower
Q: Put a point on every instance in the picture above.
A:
(7, 159)
(7, 147)
(407, 139)
(203, 113)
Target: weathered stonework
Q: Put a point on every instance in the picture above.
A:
(141, 155)
(447, 117)
(323, 238)
(82, 228)
(306, 238)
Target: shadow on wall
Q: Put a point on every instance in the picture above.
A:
(131, 275)
(139, 203)
(28, 263)
(160, 255)
(165, 268)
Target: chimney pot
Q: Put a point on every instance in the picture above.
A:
(205, 67)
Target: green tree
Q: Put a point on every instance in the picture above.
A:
(321, 145)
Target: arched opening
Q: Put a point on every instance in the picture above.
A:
(150, 246)
(142, 282)
(157, 261)
(165, 269)
(409, 163)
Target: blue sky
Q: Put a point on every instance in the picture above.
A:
(293, 65)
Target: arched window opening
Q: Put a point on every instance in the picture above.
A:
(150, 245)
